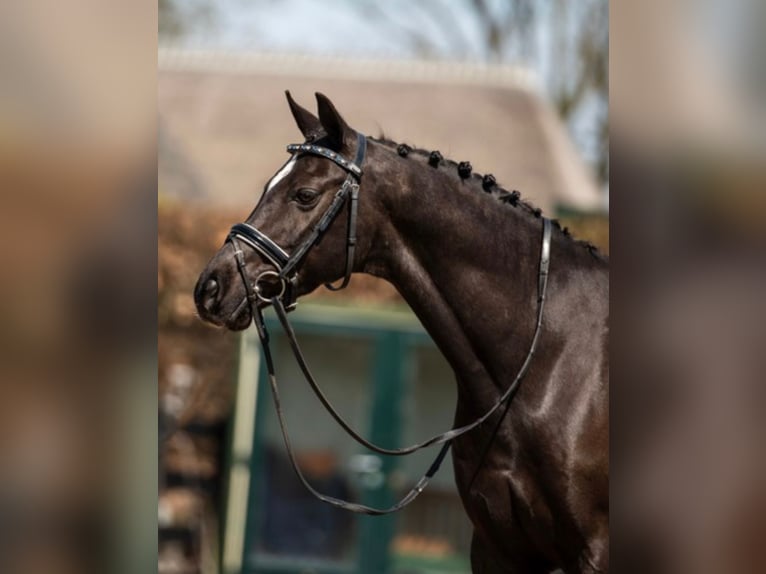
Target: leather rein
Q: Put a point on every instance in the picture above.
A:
(287, 271)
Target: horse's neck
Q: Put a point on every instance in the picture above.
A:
(468, 268)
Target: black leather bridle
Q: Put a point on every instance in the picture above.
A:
(286, 266)
(286, 270)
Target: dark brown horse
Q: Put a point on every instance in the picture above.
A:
(465, 256)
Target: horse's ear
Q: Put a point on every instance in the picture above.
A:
(334, 125)
(307, 122)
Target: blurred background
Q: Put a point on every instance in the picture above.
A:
(688, 213)
(517, 87)
(84, 113)
(78, 258)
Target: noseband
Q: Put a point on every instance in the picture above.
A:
(286, 265)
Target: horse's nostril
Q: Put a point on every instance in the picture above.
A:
(208, 294)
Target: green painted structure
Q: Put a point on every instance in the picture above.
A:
(371, 363)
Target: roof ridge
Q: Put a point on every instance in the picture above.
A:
(170, 58)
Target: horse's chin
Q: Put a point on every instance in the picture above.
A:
(240, 322)
(229, 316)
(240, 318)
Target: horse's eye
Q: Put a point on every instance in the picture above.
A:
(306, 196)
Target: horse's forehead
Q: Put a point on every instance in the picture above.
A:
(298, 165)
(281, 174)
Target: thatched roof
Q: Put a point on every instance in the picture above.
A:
(224, 122)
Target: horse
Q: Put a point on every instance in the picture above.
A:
(465, 254)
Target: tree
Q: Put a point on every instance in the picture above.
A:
(578, 36)
(176, 19)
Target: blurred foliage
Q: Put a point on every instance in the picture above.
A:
(182, 252)
(578, 36)
(169, 19)
(177, 18)
(591, 227)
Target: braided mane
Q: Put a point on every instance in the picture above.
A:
(487, 182)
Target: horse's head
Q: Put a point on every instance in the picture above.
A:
(302, 230)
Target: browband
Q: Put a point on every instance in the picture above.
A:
(350, 167)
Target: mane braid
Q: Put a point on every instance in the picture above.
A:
(486, 182)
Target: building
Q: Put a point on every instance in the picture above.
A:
(224, 122)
